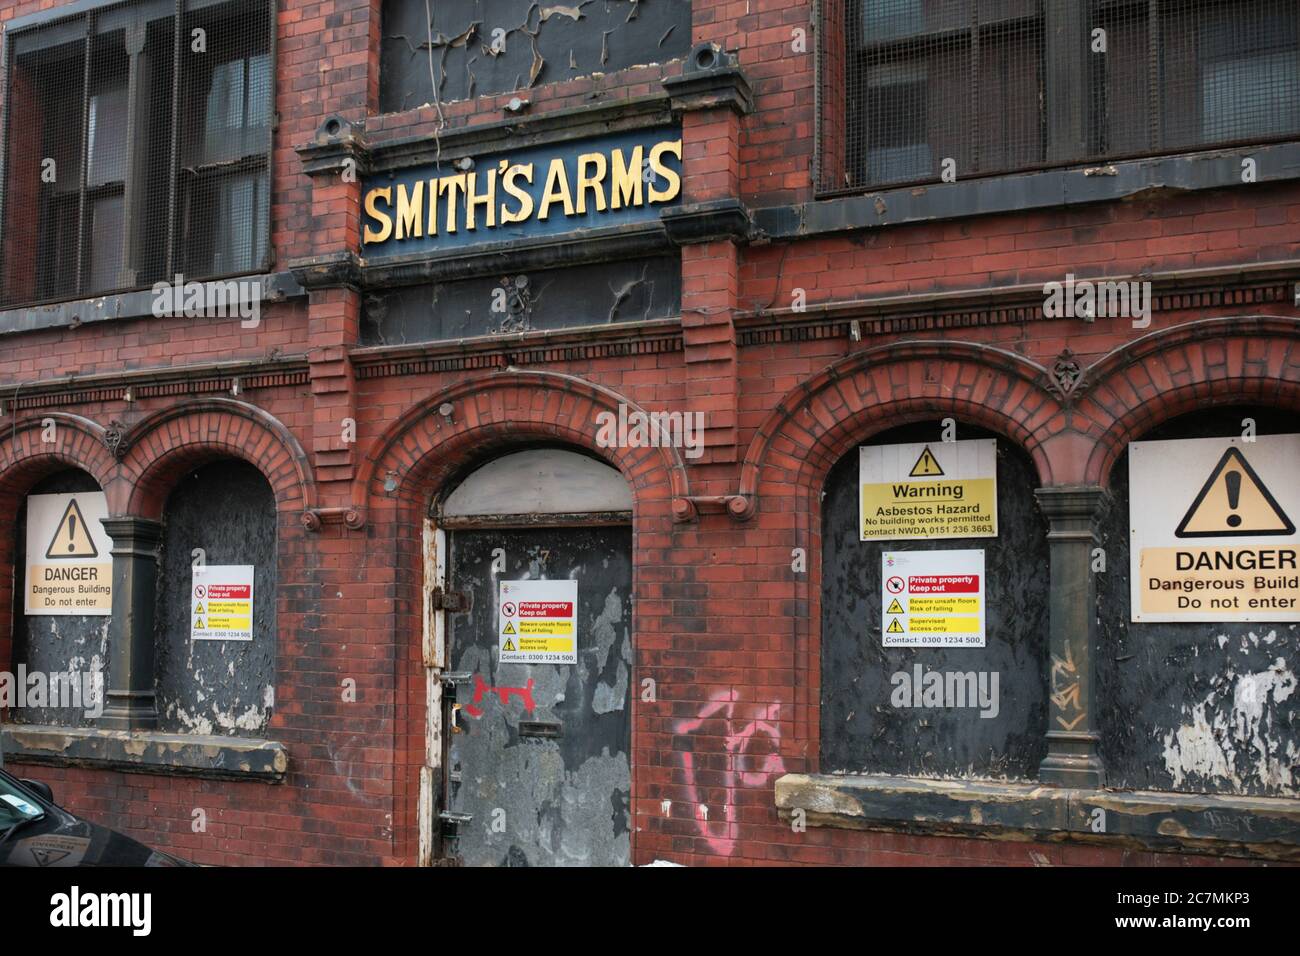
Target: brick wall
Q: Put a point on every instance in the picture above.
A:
(726, 629)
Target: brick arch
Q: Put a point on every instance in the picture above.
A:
(25, 459)
(494, 413)
(164, 446)
(818, 422)
(1209, 362)
(499, 412)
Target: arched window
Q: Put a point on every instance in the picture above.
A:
(210, 679)
(935, 711)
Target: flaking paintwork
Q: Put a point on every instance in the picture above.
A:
(860, 730)
(1194, 707)
(226, 508)
(556, 802)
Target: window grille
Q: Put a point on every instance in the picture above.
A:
(135, 150)
(915, 91)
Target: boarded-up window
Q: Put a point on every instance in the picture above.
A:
(56, 645)
(1194, 707)
(862, 728)
(485, 47)
(227, 509)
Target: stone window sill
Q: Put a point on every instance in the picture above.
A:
(1257, 827)
(222, 758)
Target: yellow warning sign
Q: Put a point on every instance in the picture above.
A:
(943, 605)
(906, 493)
(927, 466)
(509, 645)
(894, 626)
(508, 629)
(546, 627)
(198, 608)
(894, 607)
(198, 623)
(944, 625)
(72, 538)
(1234, 501)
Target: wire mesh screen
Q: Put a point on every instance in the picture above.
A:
(930, 90)
(136, 150)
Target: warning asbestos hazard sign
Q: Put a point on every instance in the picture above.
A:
(934, 490)
(537, 622)
(1213, 528)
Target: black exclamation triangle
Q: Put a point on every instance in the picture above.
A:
(1233, 481)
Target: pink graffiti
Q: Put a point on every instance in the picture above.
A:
(482, 689)
(743, 768)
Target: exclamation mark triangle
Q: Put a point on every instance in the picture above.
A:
(71, 538)
(927, 466)
(1234, 501)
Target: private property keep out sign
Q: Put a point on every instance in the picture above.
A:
(932, 598)
(221, 600)
(537, 622)
(943, 583)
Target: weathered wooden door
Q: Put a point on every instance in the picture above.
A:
(538, 754)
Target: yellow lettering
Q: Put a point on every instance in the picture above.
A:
(410, 211)
(451, 185)
(487, 200)
(432, 218)
(591, 181)
(669, 192)
(386, 194)
(625, 181)
(557, 190)
(525, 200)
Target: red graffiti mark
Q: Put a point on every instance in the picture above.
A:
(744, 769)
(482, 689)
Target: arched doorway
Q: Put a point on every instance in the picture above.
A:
(538, 599)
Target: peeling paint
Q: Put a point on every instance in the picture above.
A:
(539, 801)
(1232, 733)
(427, 44)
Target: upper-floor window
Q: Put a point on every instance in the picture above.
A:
(459, 49)
(136, 150)
(914, 89)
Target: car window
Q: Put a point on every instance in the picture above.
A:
(16, 804)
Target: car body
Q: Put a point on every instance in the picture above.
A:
(35, 831)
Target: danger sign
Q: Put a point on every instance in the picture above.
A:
(1213, 529)
(69, 567)
(221, 603)
(932, 598)
(538, 622)
(935, 490)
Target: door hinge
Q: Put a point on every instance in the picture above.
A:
(454, 601)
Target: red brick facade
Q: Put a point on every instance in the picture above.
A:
(727, 630)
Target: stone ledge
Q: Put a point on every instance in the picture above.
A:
(1256, 827)
(223, 758)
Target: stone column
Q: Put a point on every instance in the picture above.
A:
(130, 698)
(1072, 758)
